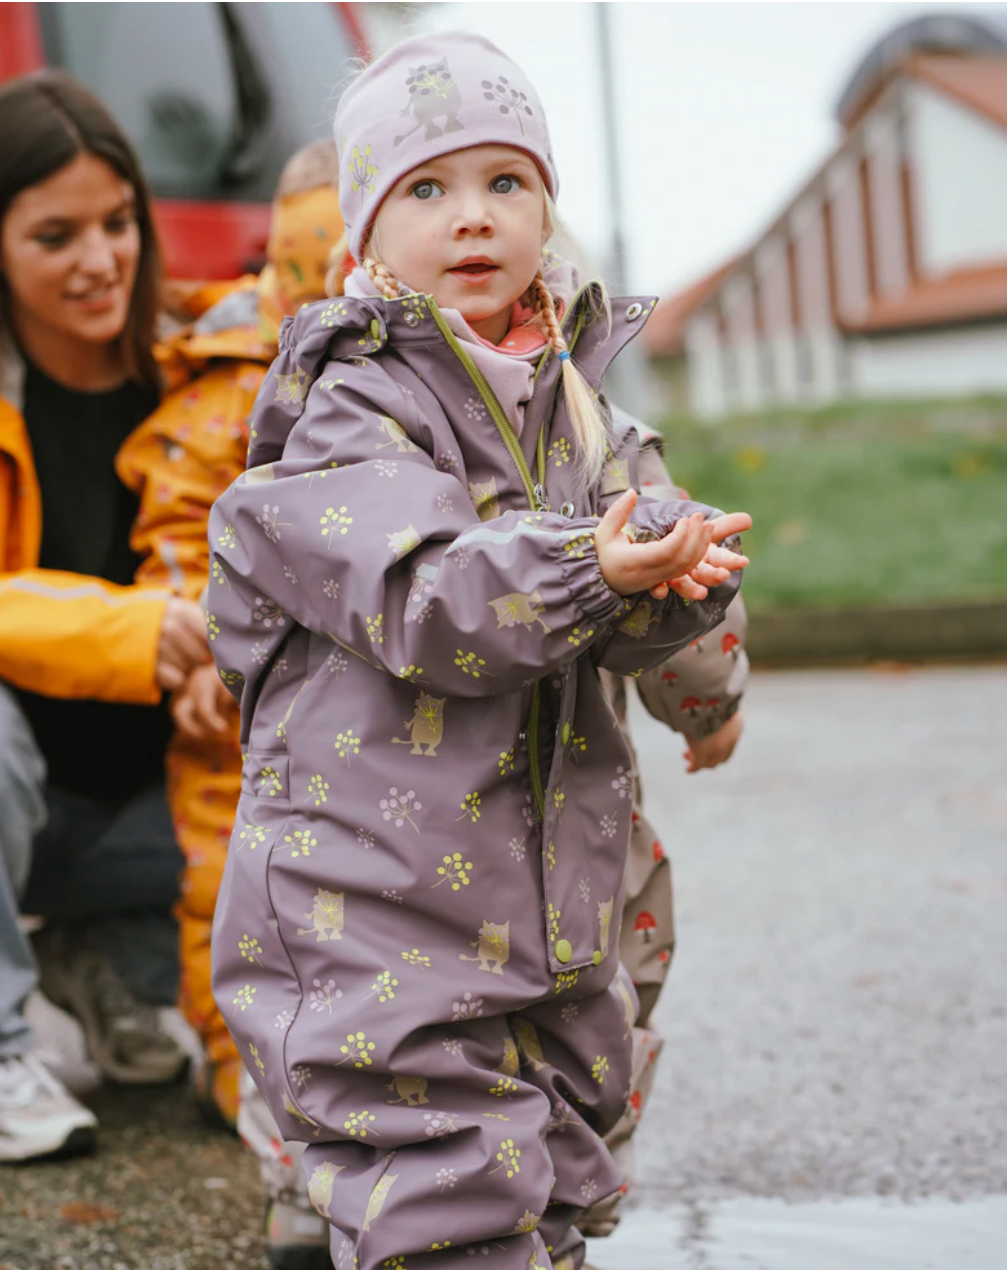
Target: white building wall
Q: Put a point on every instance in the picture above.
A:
(706, 380)
(930, 363)
(959, 168)
(848, 238)
(772, 278)
(883, 149)
(740, 311)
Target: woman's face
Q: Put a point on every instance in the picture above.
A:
(467, 228)
(69, 251)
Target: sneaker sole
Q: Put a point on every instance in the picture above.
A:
(120, 1073)
(80, 1141)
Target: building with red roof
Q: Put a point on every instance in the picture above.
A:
(884, 276)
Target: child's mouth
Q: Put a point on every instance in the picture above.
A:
(474, 270)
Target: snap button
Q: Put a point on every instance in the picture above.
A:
(564, 952)
(412, 318)
(567, 509)
(634, 312)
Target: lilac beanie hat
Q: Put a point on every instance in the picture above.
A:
(428, 96)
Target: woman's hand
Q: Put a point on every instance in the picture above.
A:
(204, 707)
(182, 643)
(687, 560)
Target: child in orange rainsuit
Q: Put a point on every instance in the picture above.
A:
(178, 462)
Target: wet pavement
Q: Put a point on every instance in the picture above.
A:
(832, 1093)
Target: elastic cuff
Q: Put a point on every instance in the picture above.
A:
(583, 577)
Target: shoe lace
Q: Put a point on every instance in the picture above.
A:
(23, 1079)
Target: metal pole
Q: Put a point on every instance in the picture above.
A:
(628, 376)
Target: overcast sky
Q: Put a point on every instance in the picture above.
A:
(723, 110)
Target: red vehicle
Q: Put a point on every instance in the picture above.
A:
(215, 97)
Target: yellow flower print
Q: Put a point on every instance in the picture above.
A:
(375, 629)
(347, 743)
(244, 998)
(270, 782)
(362, 171)
(258, 1061)
(577, 546)
(565, 980)
(470, 664)
(508, 1157)
(506, 761)
(599, 1068)
(318, 790)
(250, 948)
(358, 1050)
(212, 627)
(416, 958)
(300, 842)
(251, 836)
(455, 870)
(385, 986)
(559, 452)
(358, 1124)
(471, 807)
(334, 522)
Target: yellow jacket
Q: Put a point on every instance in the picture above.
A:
(65, 634)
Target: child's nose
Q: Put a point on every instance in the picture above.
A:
(474, 217)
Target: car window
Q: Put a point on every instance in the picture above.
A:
(165, 72)
(215, 97)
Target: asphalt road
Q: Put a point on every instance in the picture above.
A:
(835, 1019)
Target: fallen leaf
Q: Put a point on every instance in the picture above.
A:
(80, 1213)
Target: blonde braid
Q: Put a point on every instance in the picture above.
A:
(382, 277)
(334, 270)
(587, 423)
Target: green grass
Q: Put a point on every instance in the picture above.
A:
(869, 505)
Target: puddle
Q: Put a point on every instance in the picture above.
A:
(851, 1234)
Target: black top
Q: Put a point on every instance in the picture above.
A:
(101, 749)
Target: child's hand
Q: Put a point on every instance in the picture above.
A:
(688, 556)
(203, 707)
(182, 642)
(713, 750)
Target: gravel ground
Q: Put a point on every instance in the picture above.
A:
(835, 1019)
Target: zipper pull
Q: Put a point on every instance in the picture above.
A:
(542, 502)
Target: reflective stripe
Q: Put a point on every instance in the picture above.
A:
(89, 590)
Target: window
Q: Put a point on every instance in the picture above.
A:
(211, 95)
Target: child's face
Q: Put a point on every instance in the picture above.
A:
(467, 228)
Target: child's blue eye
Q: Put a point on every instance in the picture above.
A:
(426, 190)
(505, 184)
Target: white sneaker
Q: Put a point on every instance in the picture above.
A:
(37, 1115)
(58, 1041)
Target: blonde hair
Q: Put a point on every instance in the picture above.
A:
(587, 422)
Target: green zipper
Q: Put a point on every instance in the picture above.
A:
(535, 491)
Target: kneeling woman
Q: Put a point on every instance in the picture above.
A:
(85, 652)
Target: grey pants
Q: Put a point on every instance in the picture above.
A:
(112, 865)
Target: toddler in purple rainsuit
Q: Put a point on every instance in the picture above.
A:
(433, 551)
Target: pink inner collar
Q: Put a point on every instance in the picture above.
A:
(520, 340)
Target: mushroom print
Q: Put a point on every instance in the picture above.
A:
(645, 922)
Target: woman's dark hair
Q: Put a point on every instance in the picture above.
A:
(46, 120)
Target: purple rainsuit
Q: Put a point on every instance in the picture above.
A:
(414, 945)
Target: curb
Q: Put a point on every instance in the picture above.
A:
(969, 631)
